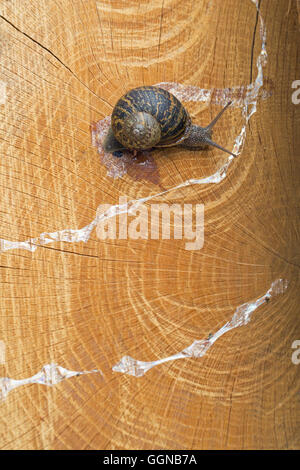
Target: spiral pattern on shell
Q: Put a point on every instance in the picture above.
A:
(173, 119)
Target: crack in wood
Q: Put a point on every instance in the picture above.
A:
(253, 39)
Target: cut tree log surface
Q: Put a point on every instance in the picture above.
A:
(77, 310)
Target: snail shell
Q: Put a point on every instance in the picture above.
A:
(148, 116)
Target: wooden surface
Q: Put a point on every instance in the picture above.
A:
(85, 305)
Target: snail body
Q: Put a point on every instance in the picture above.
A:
(149, 117)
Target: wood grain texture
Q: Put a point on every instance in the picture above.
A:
(85, 305)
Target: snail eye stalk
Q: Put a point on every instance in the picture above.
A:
(213, 122)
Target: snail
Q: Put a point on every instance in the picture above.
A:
(149, 117)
